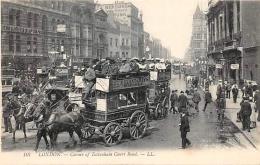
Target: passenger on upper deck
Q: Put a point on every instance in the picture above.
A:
(134, 65)
(89, 79)
(160, 64)
(109, 67)
(152, 64)
(125, 67)
(143, 65)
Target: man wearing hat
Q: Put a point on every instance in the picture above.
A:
(142, 65)
(208, 99)
(196, 99)
(245, 113)
(89, 79)
(174, 99)
(7, 109)
(183, 101)
(184, 129)
(125, 67)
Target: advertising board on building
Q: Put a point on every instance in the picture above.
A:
(218, 66)
(61, 28)
(234, 66)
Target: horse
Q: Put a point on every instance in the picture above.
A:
(17, 111)
(53, 123)
(29, 115)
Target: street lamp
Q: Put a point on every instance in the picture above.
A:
(222, 60)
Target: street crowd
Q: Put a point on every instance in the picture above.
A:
(190, 99)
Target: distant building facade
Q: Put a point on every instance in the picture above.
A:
(101, 34)
(198, 43)
(128, 14)
(113, 37)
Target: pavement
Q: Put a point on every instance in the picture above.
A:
(231, 112)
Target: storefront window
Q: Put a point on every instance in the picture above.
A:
(29, 46)
(11, 43)
(18, 43)
(35, 45)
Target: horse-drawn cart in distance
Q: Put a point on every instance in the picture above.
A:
(159, 91)
(119, 101)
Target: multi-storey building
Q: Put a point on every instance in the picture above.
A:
(198, 43)
(101, 34)
(34, 30)
(113, 38)
(126, 13)
(233, 40)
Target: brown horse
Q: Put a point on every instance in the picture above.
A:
(54, 122)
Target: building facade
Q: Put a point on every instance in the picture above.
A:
(250, 40)
(113, 37)
(34, 31)
(198, 43)
(233, 41)
(101, 34)
(128, 14)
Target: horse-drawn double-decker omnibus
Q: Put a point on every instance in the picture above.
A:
(118, 101)
(158, 93)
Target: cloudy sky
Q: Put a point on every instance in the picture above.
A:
(168, 20)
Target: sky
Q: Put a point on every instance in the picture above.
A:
(168, 20)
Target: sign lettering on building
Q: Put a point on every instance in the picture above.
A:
(61, 28)
(234, 66)
(218, 66)
(18, 29)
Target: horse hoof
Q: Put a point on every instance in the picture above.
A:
(25, 140)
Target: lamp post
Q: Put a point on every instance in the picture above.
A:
(222, 60)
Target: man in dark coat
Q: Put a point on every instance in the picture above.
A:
(246, 112)
(174, 99)
(89, 80)
(196, 99)
(7, 110)
(208, 99)
(183, 101)
(249, 90)
(184, 128)
(235, 93)
(228, 89)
